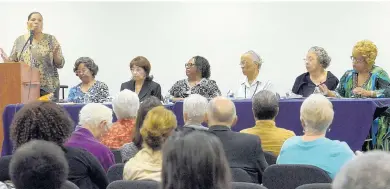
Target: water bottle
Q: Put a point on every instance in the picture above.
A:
(87, 97)
(230, 94)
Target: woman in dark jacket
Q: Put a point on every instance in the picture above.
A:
(316, 61)
(141, 83)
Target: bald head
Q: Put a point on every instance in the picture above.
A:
(221, 111)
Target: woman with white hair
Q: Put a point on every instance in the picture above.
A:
(313, 148)
(125, 105)
(94, 120)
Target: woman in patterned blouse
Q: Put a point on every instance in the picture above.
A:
(366, 81)
(89, 90)
(198, 82)
(46, 53)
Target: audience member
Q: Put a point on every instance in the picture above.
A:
(313, 148)
(129, 150)
(125, 106)
(265, 106)
(242, 150)
(94, 120)
(190, 164)
(194, 113)
(50, 122)
(370, 170)
(146, 164)
(39, 164)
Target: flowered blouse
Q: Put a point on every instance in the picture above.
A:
(43, 59)
(119, 134)
(207, 88)
(378, 82)
(97, 93)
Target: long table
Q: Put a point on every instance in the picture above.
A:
(352, 121)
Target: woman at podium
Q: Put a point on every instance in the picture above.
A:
(45, 54)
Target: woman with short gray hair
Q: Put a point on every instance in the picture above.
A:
(313, 148)
(89, 90)
(316, 61)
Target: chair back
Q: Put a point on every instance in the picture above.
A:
(117, 156)
(290, 176)
(240, 175)
(244, 185)
(316, 186)
(115, 172)
(139, 184)
(4, 167)
(69, 185)
(270, 157)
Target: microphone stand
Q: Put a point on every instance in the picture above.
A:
(31, 61)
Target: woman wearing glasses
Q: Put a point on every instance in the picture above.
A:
(366, 80)
(316, 61)
(89, 90)
(141, 82)
(197, 82)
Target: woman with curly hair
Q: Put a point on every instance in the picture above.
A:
(316, 62)
(146, 164)
(197, 82)
(50, 122)
(366, 80)
(89, 90)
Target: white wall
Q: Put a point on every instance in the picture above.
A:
(170, 33)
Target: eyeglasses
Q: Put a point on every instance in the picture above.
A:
(189, 65)
(308, 59)
(136, 69)
(361, 60)
(83, 71)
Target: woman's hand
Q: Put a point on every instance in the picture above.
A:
(3, 55)
(362, 92)
(324, 89)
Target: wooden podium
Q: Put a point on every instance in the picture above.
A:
(16, 79)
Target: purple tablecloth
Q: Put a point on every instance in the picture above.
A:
(352, 120)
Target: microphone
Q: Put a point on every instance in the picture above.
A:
(31, 36)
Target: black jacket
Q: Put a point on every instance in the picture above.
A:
(149, 88)
(305, 87)
(242, 151)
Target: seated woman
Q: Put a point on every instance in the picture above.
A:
(94, 120)
(141, 83)
(129, 150)
(89, 90)
(317, 60)
(198, 82)
(50, 122)
(313, 148)
(125, 106)
(366, 80)
(190, 164)
(146, 164)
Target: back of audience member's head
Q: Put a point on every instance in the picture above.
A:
(370, 170)
(265, 105)
(145, 107)
(125, 104)
(42, 121)
(194, 109)
(316, 114)
(39, 164)
(221, 111)
(158, 126)
(195, 161)
(95, 117)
